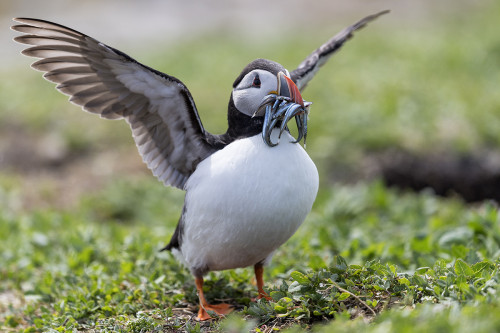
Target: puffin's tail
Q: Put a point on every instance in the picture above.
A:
(176, 240)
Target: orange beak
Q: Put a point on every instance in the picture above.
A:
(287, 88)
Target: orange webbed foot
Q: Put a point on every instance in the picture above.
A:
(261, 296)
(220, 309)
(265, 296)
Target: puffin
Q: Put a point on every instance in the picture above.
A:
(247, 190)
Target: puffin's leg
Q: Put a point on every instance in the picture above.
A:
(259, 271)
(221, 309)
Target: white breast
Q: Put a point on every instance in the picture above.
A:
(246, 200)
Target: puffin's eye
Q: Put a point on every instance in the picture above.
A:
(256, 81)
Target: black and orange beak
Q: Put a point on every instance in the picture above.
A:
(287, 88)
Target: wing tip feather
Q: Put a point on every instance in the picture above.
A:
(307, 68)
(177, 173)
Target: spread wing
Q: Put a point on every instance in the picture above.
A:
(308, 68)
(159, 108)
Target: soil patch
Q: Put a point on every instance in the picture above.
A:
(473, 176)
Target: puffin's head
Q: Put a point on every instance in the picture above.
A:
(264, 89)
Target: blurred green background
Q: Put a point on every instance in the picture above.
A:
(422, 78)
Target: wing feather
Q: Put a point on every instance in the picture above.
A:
(308, 68)
(159, 108)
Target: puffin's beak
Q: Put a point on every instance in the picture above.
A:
(282, 105)
(287, 88)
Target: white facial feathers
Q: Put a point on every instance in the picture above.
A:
(248, 94)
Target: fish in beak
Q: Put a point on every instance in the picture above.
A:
(280, 107)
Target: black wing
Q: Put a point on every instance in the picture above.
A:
(308, 68)
(159, 108)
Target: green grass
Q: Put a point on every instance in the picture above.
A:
(364, 250)
(367, 258)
